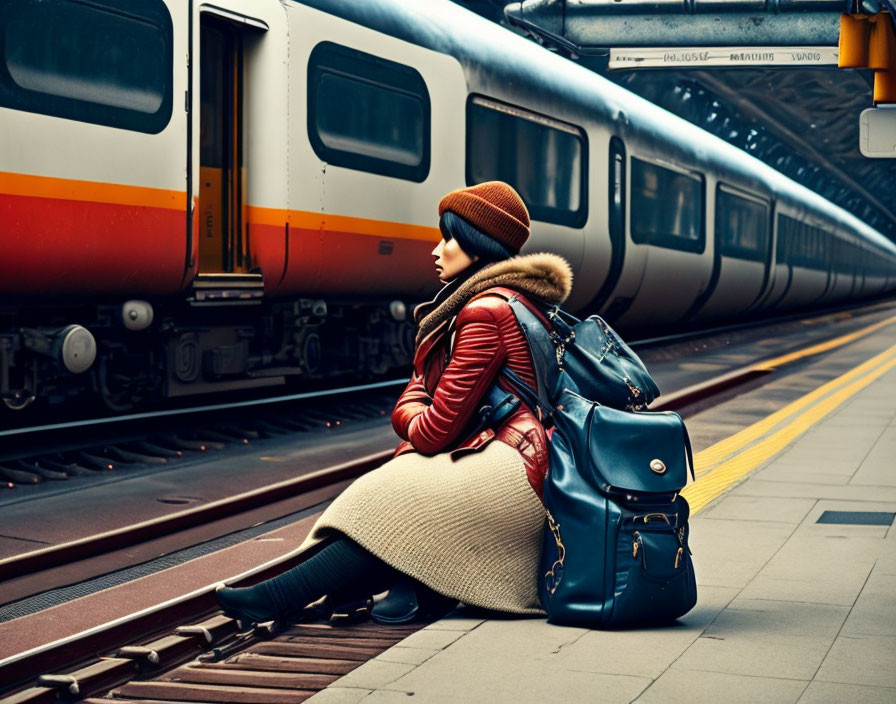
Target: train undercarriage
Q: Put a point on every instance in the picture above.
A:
(138, 353)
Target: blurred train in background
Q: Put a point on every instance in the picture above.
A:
(207, 196)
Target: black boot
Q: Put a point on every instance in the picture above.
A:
(249, 605)
(410, 600)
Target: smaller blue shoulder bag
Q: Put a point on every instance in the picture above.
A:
(616, 540)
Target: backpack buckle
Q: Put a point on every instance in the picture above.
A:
(560, 345)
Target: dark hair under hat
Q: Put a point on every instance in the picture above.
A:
(471, 239)
(495, 209)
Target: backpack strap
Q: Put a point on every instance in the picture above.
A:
(543, 351)
(534, 324)
(532, 398)
(688, 451)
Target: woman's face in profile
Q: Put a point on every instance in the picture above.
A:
(451, 259)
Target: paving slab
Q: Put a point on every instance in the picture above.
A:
(779, 639)
(811, 527)
(831, 693)
(874, 613)
(431, 639)
(385, 696)
(701, 687)
(762, 486)
(375, 674)
(819, 570)
(454, 622)
(877, 467)
(806, 476)
(341, 695)
(730, 553)
(858, 659)
(407, 656)
(771, 509)
(644, 652)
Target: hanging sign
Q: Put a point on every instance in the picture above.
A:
(723, 56)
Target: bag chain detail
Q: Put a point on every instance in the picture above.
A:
(553, 576)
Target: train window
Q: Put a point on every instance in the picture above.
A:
(803, 245)
(543, 158)
(788, 234)
(741, 224)
(368, 113)
(838, 263)
(666, 207)
(98, 62)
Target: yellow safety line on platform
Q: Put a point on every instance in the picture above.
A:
(771, 364)
(711, 456)
(717, 481)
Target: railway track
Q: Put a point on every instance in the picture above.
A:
(126, 646)
(59, 451)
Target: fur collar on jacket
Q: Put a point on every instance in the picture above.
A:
(546, 277)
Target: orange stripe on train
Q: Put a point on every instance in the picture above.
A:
(90, 191)
(329, 222)
(119, 194)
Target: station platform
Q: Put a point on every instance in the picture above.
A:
(795, 556)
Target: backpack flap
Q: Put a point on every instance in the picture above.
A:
(638, 452)
(622, 452)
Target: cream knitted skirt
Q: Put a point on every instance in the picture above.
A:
(469, 528)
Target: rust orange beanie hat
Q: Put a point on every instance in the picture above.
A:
(494, 208)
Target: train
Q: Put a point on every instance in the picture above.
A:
(198, 197)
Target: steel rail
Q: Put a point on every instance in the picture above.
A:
(71, 650)
(90, 546)
(152, 415)
(871, 306)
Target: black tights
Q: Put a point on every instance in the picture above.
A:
(343, 569)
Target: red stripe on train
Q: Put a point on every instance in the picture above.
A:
(346, 264)
(54, 246)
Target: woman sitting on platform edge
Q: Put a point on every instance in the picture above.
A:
(456, 513)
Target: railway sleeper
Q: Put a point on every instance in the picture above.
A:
(224, 437)
(158, 450)
(136, 457)
(209, 442)
(249, 433)
(294, 424)
(271, 428)
(185, 444)
(42, 472)
(70, 468)
(93, 460)
(19, 476)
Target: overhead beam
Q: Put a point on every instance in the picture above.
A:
(791, 134)
(593, 26)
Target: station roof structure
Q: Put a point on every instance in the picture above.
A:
(802, 120)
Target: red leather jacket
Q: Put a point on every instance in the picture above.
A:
(439, 406)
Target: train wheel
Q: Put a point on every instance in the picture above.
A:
(18, 403)
(119, 391)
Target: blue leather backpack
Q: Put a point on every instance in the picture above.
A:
(616, 537)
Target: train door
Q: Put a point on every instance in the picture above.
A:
(632, 261)
(224, 258)
(615, 222)
(221, 177)
(768, 277)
